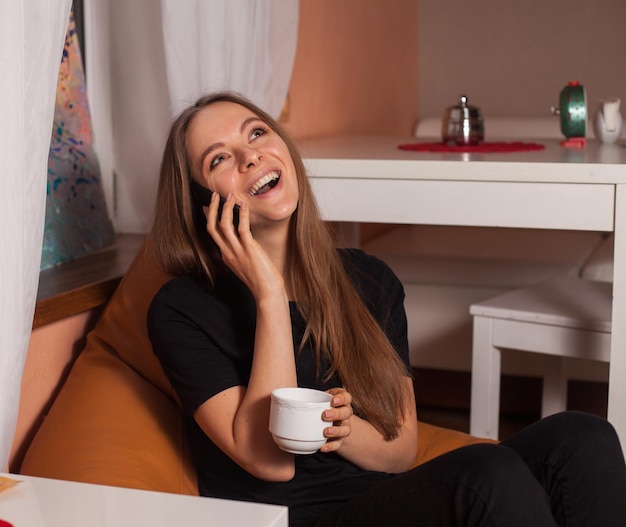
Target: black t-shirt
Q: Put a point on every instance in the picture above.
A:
(205, 340)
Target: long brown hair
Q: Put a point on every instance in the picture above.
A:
(338, 323)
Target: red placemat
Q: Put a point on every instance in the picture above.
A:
(497, 147)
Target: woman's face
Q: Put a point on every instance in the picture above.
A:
(232, 151)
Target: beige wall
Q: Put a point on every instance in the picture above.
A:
(355, 70)
(373, 66)
(512, 58)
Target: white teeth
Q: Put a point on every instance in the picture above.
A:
(262, 182)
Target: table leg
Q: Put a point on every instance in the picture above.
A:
(617, 367)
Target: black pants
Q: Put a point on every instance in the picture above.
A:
(567, 470)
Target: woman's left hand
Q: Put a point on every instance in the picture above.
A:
(358, 441)
(339, 415)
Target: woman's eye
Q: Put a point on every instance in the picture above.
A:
(217, 160)
(257, 132)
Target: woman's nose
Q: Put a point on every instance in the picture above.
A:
(250, 158)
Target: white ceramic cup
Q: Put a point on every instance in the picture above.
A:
(296, 422)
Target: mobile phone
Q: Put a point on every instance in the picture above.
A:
(202, 196)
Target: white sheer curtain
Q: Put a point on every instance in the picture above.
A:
(32, 35)
(239, 45)
(195, 47)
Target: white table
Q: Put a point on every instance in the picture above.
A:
(368, 179)
(41, 502)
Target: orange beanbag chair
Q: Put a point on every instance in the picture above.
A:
(117, 421)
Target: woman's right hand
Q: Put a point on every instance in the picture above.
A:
(240, 251)
(237, 419)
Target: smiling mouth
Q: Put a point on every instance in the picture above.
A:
(265, 184)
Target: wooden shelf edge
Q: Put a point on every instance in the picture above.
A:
(73, 302)
(85, 283)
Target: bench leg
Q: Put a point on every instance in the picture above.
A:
(554, 395)
(486, 364)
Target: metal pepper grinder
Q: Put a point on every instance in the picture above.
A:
(462, 124)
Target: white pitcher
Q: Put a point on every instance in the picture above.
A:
(608, 123)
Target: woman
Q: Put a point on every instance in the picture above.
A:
(261, 299)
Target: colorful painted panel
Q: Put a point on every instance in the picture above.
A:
(77, 221)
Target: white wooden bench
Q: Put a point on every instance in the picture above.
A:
(564, 317)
